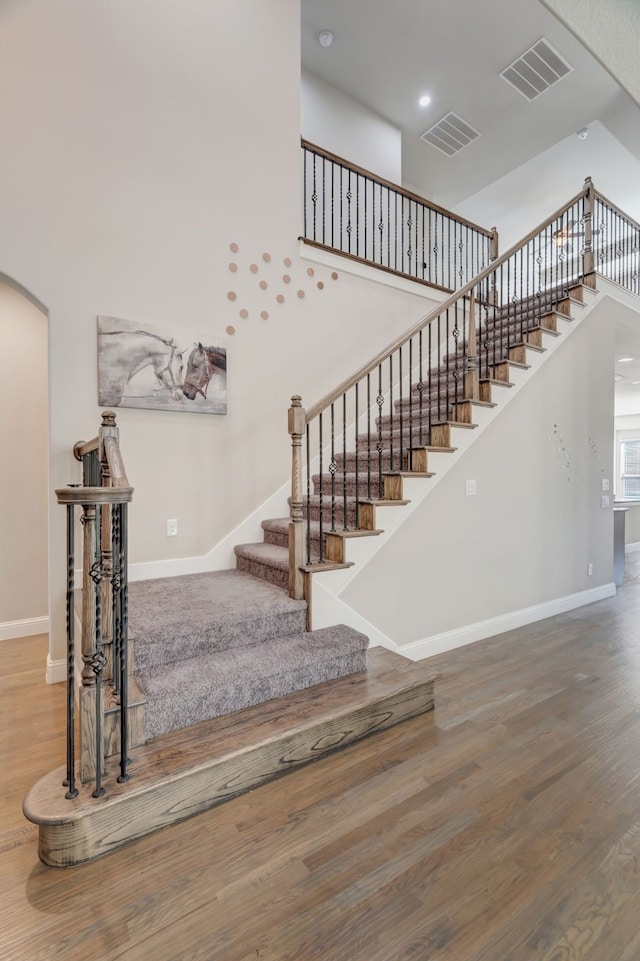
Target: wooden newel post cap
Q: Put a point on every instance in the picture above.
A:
(296, 417)
(108, 418)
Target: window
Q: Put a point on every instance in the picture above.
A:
(630, 468)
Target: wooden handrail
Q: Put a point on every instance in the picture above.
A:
(334, 158)
(84, 447)
(94, 495)
(346, 385)
(116, 464)
(617, 210)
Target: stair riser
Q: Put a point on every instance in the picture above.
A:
(272, 575)
(364, 488)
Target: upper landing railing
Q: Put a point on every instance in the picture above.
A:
(359, 215)
(102, 498)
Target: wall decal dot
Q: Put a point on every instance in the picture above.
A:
(286, 278)
(244, 313)
(301, 294)
(253, 268)
(287, 261)
(264, 314)
(334, 275)
(233, 267)
(231, 330)
(310, 271)
(320, 285)
(263, 285)
(266, 258)
(234, 248)
(232, 295)
(280, 299)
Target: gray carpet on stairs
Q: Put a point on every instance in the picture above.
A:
(210, 644)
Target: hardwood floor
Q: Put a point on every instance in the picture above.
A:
(504, 826)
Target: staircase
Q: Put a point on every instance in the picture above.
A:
(425, 423)
(230, 685)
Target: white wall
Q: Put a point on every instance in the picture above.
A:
(536, 522)
(140, 141)
(341, 125)
(23, 478)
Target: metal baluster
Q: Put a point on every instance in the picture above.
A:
(124, 643)
(308, 445)
(98, 659)
(380, 402)
(314, 197)
(420, 387)
(390, 417)
(70, 781)
(344, 462)
(324, 201)
(305, 160)
(321, 500)
(332, 469)
(369, 436)
(357, 453)
(400, 398)
(410, 451)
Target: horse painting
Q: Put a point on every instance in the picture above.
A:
(206, 365)
(123, 353)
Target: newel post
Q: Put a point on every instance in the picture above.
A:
(297, 425)
(493, 253)
(471, 380)
(589, 210)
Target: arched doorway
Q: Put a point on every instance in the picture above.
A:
(24, 418)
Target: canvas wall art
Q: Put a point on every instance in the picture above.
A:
(142, 365)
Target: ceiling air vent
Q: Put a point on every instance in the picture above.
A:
(536, 70)
(450, 134)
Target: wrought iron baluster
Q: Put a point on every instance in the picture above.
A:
(70, 781)
(332, 468)
(321, 497)
(401, 410)
(124, 641)
(357, 455)
(380, 403)
(369, 451)
(97, 663)
(344, 462)
(308, 505)
(390, 418)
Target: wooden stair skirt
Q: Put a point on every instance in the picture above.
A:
(191, 770)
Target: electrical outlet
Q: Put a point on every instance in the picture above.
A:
(472, 488)
(172, 527)
(604, 501)
(590, 570)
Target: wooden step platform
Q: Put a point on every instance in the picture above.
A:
(181, 774)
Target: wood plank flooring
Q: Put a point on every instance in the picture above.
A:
(504, 826)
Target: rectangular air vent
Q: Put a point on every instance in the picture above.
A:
(536, 70)
(450, 134)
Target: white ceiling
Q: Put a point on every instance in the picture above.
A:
(386, 54)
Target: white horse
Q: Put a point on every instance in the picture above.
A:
(122, 353)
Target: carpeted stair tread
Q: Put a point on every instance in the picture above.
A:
(179, 617)
(210, 686)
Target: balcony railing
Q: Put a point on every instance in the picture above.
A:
(359, 215)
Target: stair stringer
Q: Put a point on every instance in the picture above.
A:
(328, 607)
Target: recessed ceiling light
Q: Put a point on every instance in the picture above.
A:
(325, 38)
(424, 100)
(583, 133)
(635, 381)
(625, 360)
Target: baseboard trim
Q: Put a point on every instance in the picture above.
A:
(461, 636)
(26, 628)
(632, 547)
(56, 670)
